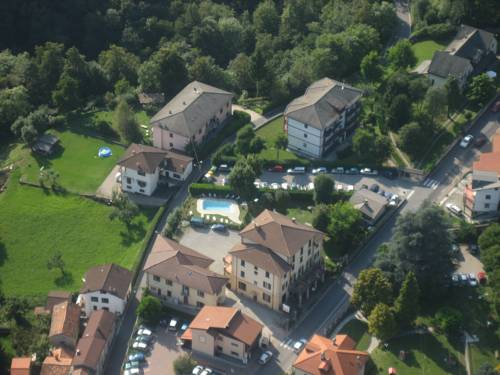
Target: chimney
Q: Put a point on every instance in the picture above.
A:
(183, 103)
(334, 341)
(294, 219)
(169, 111)
(77, 352)
(195, 89)
(358, 361)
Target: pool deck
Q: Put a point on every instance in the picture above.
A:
(233, 214)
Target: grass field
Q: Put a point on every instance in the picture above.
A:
(358, 331)
(34, 225)
(425, 50)
(426, 355)
(76, 161)
(269, 133)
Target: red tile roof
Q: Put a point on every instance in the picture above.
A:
(65, 320)
(20, 366)
(490, 161)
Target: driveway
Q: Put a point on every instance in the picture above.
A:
(109, 184)
(469, 263)
(212, 244)
(163, 353)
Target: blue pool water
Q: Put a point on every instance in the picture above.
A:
(216, 204)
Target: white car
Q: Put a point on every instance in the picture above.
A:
(139, 345)
(257, 184)
(265, 357)
(284, 186)
(144, 332)
(310, 186)
(132, 371)
(454, 208)
(172, 326)
(275, 186)
(118, 177)
(319, 170)
(365, 171)
(466, 141)
(264, 184)
(472, 279)
(297, 347)
(197, 370)
(207, 371)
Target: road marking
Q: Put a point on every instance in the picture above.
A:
(410, 194)
(430, 183)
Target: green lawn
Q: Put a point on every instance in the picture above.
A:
(269, 133)
(76, 161)
(425, 50)
(426, 355)
(358, 331)
(35, 224)
(302, 214)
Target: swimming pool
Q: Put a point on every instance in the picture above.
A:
(217, 205)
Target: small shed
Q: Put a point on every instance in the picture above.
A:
(45, 144)
(151, 98)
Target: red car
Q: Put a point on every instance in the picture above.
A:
(277, 168)
(496, 107)
(480, 140)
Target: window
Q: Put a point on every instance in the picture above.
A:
(199, 304)
(310, 242)
(305, 135)
(242, 273)
(142, 184)
(220, 110)
(267, 274)
(255, 268)
(234, 344)
(141, 173)
(235, 354)
(129, 180)
(169, 293)
(202, 338)
(242, 262)
(171, 135)
(95, 307)
(94, 299)
(305, 145)
(487, 197)
(200, 293)
(306, 126)
(266, 285)
(486, 205)
(168, 282)
(105, 300)
(171, 144)
(177, 175)
(158, 292)
(301, 259)
(141, 190)
(156, 278)
(301, 250)
(242, 286)
(219, 348)
(266, 297)
(105, 308)
(293, 259)
(199, 131)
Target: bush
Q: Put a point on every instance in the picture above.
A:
(184, 365)
(448, 320)
(439, 32)
(149, 310)
(197, 190)
(105, 129)
(173, 221)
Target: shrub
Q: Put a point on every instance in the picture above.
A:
(448, 320)
(439, 31)
(184, 365)
(149, 310)
(198, 189)
(105, 129)
(173, 221)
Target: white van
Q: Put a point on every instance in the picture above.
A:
(297, 170)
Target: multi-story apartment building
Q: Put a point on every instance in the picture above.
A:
(191, 116)
(275, 253)
(482, 192)
(323, 118)
(180, 275)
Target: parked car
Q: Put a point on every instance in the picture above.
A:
(144, 332)
(455, 280)
(338, 170)
(352, 171)
(136, 357)
(264, 184)
(463, 278)
(480, 141)
(197, 222)
(118, 177)
(145, 339)
(374, 187)
(466, 141)
(319, 170)
(481, 277)
(275, 186)
(172, 326)
(277, 169)
(218, 228)
(390, 174)
(453, 208)
(296, 170)
(265, 357)
(495, 107)
(197, 370)
(139, 345)
(224, 168)
(132, 371)
(473, 248)
(472, 279)
(297, 347)
(368, 171)
(206, 371)
(455, 249)
(132, 364)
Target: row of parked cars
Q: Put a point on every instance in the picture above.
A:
(323, 170)
(469, 279)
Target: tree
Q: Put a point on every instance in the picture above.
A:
(486, 369)
(244, 138)
(240, 68)
(321, 217)
(346, 229)
(173, 221)
(149, 310)
(67, 94)
(411, 138)
(56, 261)
(14, 102)
(449, 320)
(241, 179)
(401, 56)
(370, 289)
(435, 101)
(323, 189)
(466, 232)
(382, 323)
(184, 365)
(480, 90)
(266, 18)
(489, 242)
(370, 67)
(406, 306)
(421, 244)
(126, 123)
(280, 143)
(371, 146)
(124, 209)
(48, 178)
(118, 64)
(204, 69)
(398, 111)
(454, 96)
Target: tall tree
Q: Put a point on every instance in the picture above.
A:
(436, 101)
(382, 322)
(370, 66)
(398, 112)
(370, 289)
(406, 306)
(454, 95)
(401, 56)
(149, 310)
(14, 103)
(280, 143)
(124, 209)
(266, 18)
(480, 90)
(323, 189)
(118, 64)
(421, 244)
(126, 123)
(346, 229)
(56, 261)
(371, 146)
(242, 179)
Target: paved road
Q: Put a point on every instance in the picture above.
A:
(451, 168)
(403, 13)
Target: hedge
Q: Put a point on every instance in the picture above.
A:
(238, 120)
(198, 189)
(440, 32)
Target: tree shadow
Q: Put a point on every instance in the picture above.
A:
(134, 233)
(3, 253)
(64, 279)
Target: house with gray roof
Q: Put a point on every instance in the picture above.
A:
(191, 116)
(371, 205)
(323, 118)
(470, 52)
